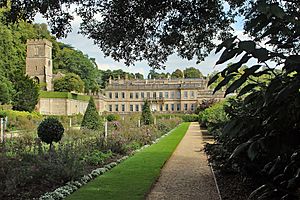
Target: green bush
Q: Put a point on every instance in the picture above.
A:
(97, 157)
(91, 119)
(190, 118)
(50, 130)
(214, 118)
(113, 117)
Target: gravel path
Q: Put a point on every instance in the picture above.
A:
(186, 175)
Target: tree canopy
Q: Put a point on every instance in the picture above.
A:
(70, 82)
(135, 30)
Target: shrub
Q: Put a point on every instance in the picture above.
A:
(146, 117)
(91, 118)
(214, 118)
(190, 118)
(112, 117)
(50, 130)
(206, 103)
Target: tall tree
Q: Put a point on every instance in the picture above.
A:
(192, 72)
(177, 74)
(70, 82)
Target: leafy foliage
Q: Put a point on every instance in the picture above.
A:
(147, 117)
(177, 74)
(192, 72)
(112, 117)
(70, 82)
(50, 130)
(262, 134)
(91, 118)
(27, 94)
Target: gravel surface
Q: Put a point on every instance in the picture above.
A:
(186, 175)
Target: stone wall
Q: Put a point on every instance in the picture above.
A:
(61, 106)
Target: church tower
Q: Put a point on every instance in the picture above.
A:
(39, 62)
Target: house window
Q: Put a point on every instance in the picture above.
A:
(178, 95)
(116, 95)
(185, 94)
(154, 95)
(131, 95)
(192, 107)
(178, 107)
(142, 95)
(137, 107)
(148, 95)
(185, 107)
(110, 108)
(110, 95)
(192, 94)
(160, 95)
(136, 95)
(166, 95)
(131, 108)
(167, 107)
(123, 107)
(161, 107)
(172, 107)
(123, 95)
(172, 95)
(117, 108)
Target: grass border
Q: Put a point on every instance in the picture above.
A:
(64, 95)
(133, 178)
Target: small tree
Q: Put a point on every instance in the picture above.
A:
(27, 94)
(91, 118)
(50, 130)
(147, 117)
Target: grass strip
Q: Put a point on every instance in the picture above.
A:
(133, 178)
(64, 95)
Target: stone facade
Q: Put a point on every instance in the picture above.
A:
(39, 62)
(165, 95)
(61, 106)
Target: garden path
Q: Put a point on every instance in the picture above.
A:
(186, 175)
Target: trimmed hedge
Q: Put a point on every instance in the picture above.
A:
(64, 95)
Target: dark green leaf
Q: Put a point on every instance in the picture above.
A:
(235, 85)
(213, 79)
(233, 68)
(246, 89)
(258, 191)
(253, 150)
(277, 11)
(227, 55)
(247, 46)
(261, 54)
(239, 149)
(223, 82)
(226, 43)
(251, 70)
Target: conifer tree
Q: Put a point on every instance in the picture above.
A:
(91, 118)
(147, 117)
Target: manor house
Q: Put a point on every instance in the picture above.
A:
(121, 96)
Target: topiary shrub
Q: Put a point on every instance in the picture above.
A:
(50, 130)
(147, 117)
(91, 118)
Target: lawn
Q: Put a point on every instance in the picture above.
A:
(133, 178)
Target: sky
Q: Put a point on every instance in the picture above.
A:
(174, 62)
